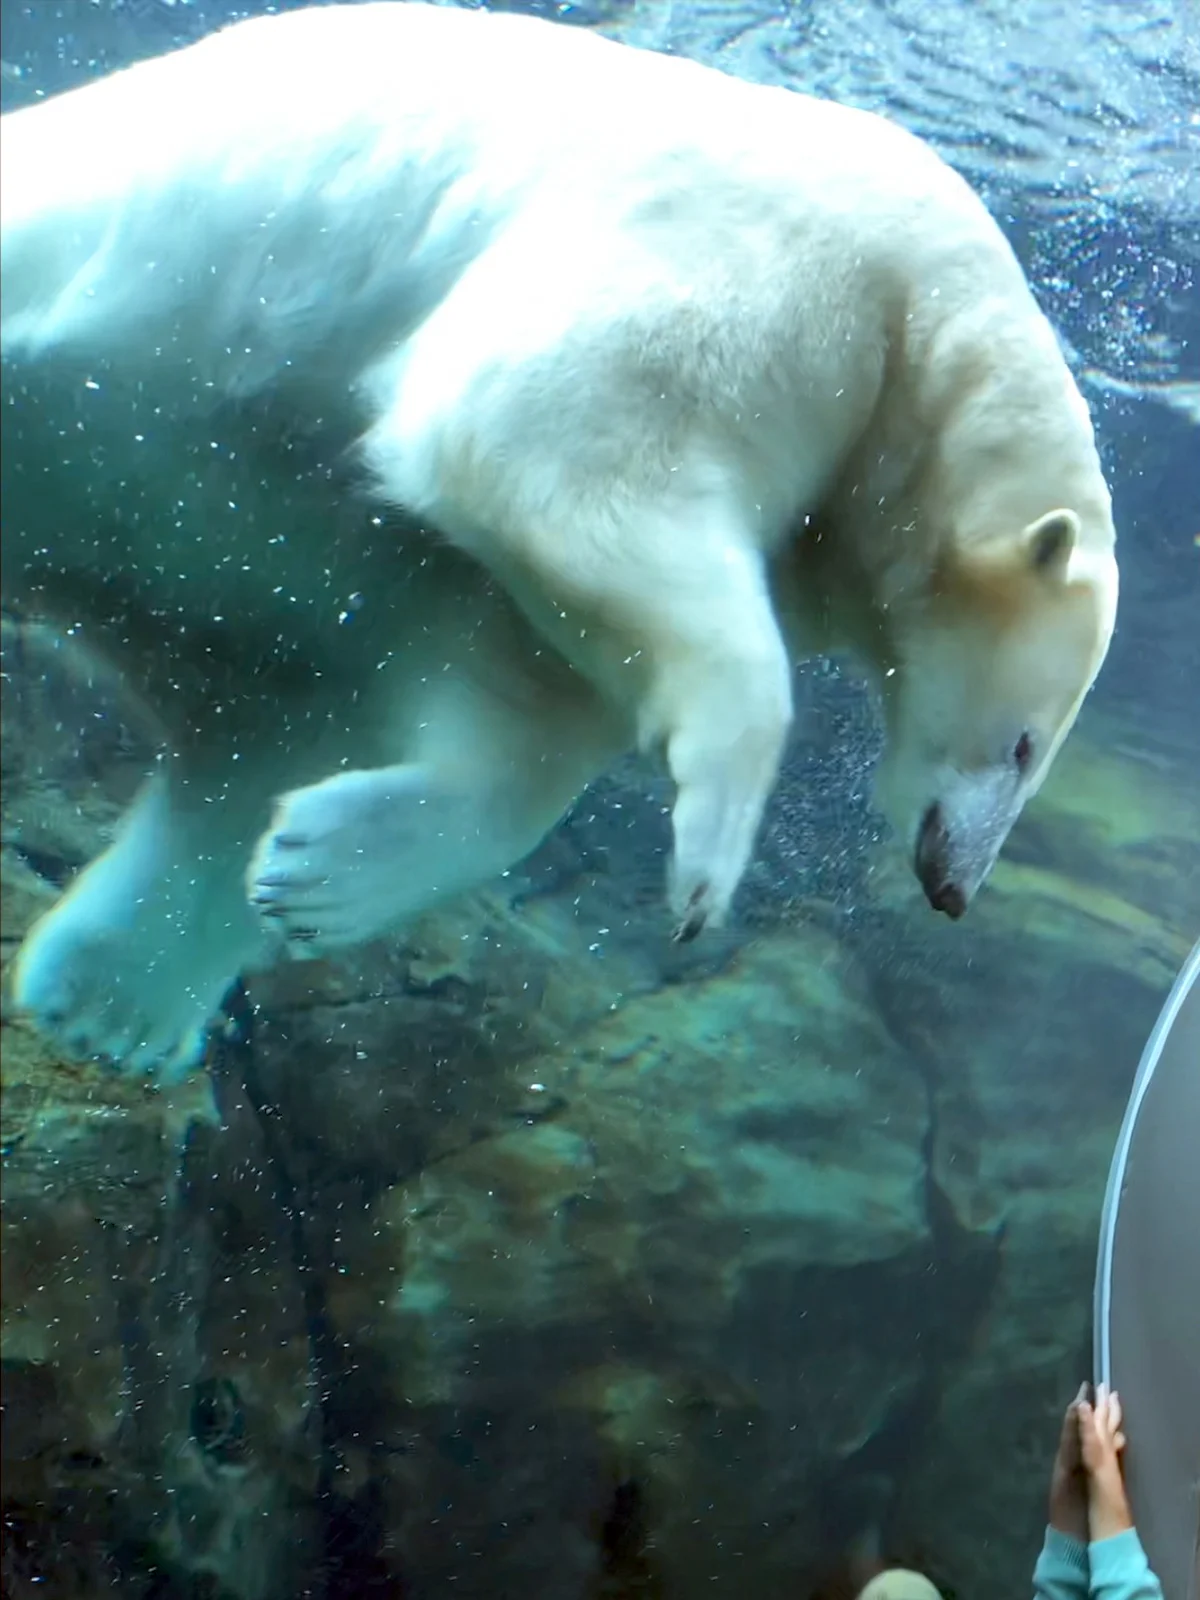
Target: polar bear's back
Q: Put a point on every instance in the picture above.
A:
(282, 87)
(291, 178)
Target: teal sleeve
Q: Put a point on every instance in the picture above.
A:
(1120, 1570)
(1062, 1569)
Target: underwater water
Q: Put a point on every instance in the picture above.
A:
(528, 1254)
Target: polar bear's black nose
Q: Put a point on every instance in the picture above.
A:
(950, 899)
(932, 865)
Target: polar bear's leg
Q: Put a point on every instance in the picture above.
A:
(134, 959)
(720, 701)
(677, 600)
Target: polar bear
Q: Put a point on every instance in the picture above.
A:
(683, 377)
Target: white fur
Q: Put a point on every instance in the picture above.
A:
(668, 353)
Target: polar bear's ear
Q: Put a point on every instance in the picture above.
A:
(1050, 541)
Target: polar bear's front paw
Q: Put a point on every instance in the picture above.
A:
(344, 859)
(708, 860)
(723, 786)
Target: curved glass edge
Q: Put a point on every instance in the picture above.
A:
(1140, 1267)
(1151, 1055)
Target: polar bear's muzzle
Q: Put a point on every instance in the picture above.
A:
(933, 865)
(960, 836)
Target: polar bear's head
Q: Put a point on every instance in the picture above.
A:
(988, 673)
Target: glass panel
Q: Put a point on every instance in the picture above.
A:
(413, 1184)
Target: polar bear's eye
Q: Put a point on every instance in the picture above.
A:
(1023, 752)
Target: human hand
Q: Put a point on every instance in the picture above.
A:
(1068, 1480)
(1101, 1442)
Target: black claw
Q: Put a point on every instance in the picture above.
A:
(693, 922)
(689, 928)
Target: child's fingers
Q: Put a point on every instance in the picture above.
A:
(1110, 1421)
(1068, 1439)
(1104, 1413)
(1094, 1442)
